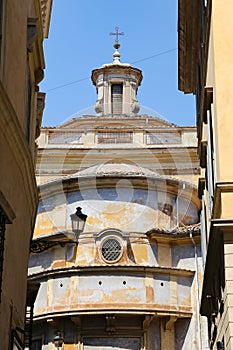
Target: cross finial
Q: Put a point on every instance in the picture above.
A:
(117, 33)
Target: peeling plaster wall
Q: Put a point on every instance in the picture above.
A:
(162, 289)
(184, 258)
(132, 210)
(40, 262)
(128, 292)
(100, 289)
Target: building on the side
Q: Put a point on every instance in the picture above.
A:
(130, 278)
(23, 27)
(205, 69)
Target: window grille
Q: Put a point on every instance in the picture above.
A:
(65, 137)
(161, 138)
(115, 137)
(111, 249)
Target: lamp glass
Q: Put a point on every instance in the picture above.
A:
(58, 340)
(78, 222)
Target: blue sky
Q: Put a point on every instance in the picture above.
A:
(79, 42)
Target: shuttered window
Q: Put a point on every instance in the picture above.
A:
(117, 98)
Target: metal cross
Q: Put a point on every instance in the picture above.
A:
(117, 33)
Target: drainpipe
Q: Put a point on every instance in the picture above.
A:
(197, 293)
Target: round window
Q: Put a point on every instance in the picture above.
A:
(111, 249)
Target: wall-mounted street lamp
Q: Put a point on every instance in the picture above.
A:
(58, 340)
(220, 345)
(78, 220)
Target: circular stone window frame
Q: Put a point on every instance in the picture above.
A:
(111, 237)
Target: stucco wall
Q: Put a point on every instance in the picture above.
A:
(129, 209)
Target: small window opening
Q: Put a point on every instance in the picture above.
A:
(117, 90)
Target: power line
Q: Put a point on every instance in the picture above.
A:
(71, 83)
(156, 55)
(83, 79)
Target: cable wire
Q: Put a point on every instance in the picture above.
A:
(83, 79)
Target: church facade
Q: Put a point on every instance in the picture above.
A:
(116, 249)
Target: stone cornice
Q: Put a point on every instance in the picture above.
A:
(89, 270)
(46, 8)
(183, 235)
(76, 122)
(155, 310)
(135, 127)
(194, 229)
(36, 53)
(116, 69)
(189, 18)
